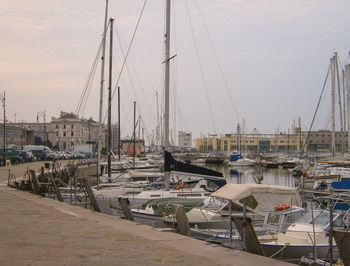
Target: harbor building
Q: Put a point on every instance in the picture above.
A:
(321, 141)
(316, 141)
(127, 146)
(185, 140)
(71, 130)
(16, 136)
(61, 133)
(252, 143)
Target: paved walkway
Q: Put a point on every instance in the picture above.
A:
(41, 231)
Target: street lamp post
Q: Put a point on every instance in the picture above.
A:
(3, 98)
(43, 114)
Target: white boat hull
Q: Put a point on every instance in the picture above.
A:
(293, 253)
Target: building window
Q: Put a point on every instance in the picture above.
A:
(72, 134)
(64, 126)
(72, 126)
(56, 126)
(64, 134)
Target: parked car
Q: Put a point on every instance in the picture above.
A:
(41, 155)
(26, 156)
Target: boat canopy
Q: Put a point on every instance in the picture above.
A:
(259, 198)
(163, 206)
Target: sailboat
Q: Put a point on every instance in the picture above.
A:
(187, 181)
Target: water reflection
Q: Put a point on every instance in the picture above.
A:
(241, 175)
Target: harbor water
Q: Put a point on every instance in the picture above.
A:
(241, 175)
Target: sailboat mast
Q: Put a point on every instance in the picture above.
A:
(300, 143)
(340, 102)
(119, 123)
(167, 55)
(333, 104)
(134, 137)
(347, 82)
(109, 146)
(166, 102)
(158, 125)
(101, 97)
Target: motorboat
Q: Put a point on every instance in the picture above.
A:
(153, 211)
(236, 159)
(214, 213)
(243, 162)
(308, 235)
(276, 220)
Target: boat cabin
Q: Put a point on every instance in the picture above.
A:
(278, 220)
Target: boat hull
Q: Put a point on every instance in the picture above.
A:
(293, 253)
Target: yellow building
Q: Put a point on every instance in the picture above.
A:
(252, 143)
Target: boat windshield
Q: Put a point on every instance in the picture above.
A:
(321, 218)
(212, 203)
(273, 219)
(307, 218)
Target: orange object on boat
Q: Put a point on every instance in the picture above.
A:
(285, 206)
(279, 208)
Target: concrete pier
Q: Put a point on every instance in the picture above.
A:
(41, 231)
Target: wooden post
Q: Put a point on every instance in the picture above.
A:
(124, 204)
(35, 182)
(183, 226)
(90, 194)
(57, 191)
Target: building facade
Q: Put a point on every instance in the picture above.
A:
(127, 146)
(70, 130)
(321, 141)
(16, 136)
(62, 133)
(185, 140)
(251, 143)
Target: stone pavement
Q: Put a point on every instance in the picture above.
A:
(42, 231)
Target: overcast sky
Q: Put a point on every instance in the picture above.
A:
(273, 55)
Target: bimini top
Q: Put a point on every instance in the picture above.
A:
(259, 198)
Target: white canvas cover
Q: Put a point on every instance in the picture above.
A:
(260, 198)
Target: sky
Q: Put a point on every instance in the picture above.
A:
(261, 61)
